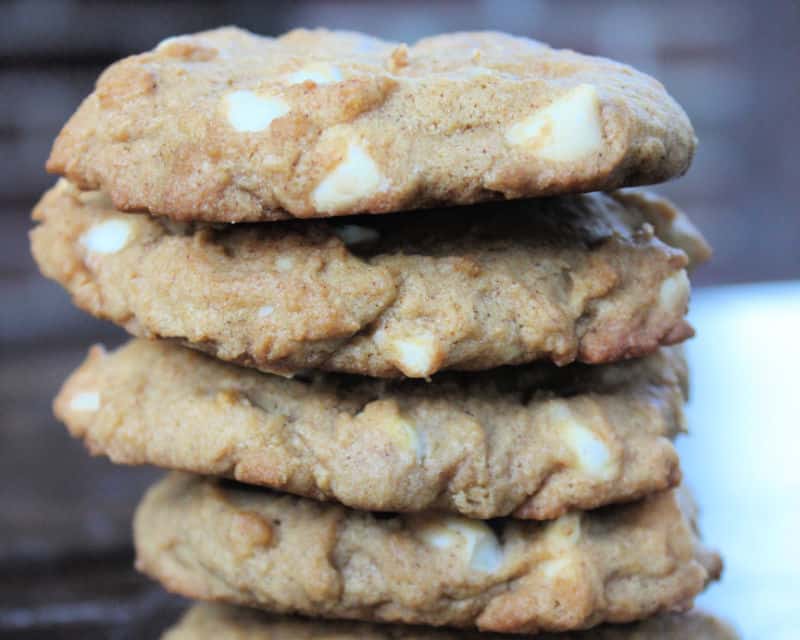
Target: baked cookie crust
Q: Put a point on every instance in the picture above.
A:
(228, 126)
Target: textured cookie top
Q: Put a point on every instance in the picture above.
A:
(228, 126)
(586, 278)
(225, 622)
(224, 542)
(535, 440)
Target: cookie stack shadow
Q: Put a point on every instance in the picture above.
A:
(443, 416)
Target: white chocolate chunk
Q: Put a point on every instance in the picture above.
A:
(416, 357)
(284, 263)
(561, 539)
(109, 236)
(354, 234)
(589, 452)
(673, 295)
(555, 567)
(266, 311)
(250, 112)
(354, 178)
(85, 401)
(476, 542)
(317, 72)
(568, 129)
(62, 184)
(404, 435)
(487, 555)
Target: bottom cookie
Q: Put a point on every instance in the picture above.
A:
(217, 540)
(225, 622)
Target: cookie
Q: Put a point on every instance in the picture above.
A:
(588, 278)
(534, 441)
(224, 622)
(215, 540)
(227, 126)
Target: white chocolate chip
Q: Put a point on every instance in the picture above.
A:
(85, 401)
(62, 184)
(555, 567)
(354, 234)
(266, 311)
(476, 542)
(404, 435)
(317, 72)
(250, 112)
(590, 453)
(568, 129)
(487, 556)
(673, 294)
(354, 178)
(109, 236)
(561, 540)
(416, 357)
(284, 263)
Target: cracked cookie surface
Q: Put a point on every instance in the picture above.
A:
(591, 278)
(319, 123)
(532, 441)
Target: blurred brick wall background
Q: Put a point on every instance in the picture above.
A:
(733, 64)
(64, 518)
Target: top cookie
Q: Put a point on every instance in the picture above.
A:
(227, 126)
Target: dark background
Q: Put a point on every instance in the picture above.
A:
(64, 518)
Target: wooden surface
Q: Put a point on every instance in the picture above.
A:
(65, 558)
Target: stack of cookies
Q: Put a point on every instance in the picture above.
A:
(444, 416)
